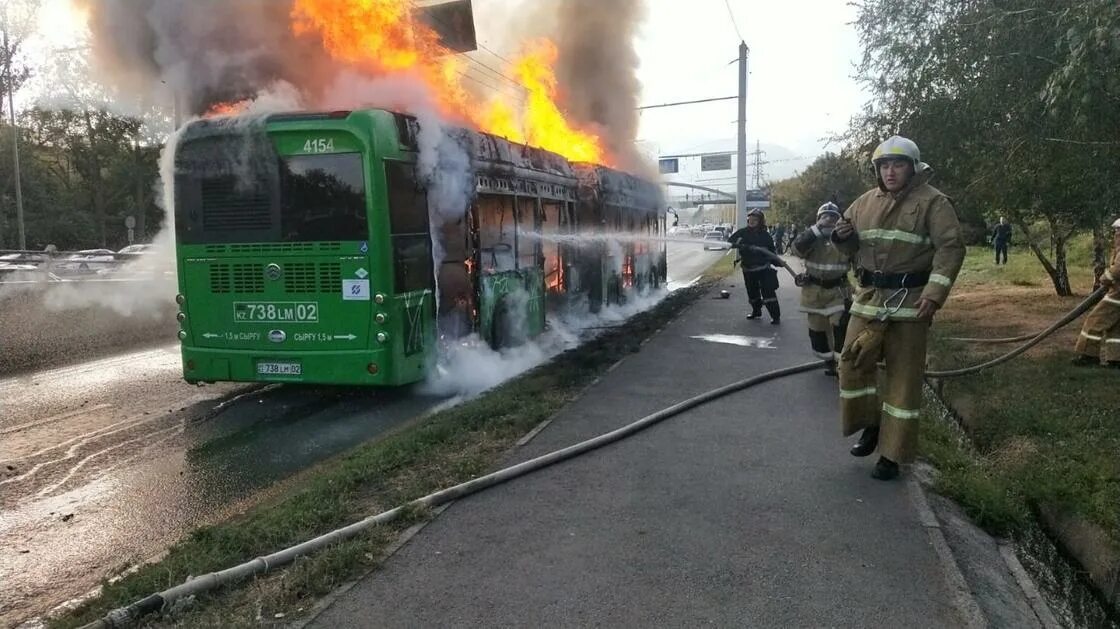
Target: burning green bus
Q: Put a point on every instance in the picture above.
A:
(305, 247)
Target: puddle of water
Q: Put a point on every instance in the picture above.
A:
(759, 342)
(677, 285)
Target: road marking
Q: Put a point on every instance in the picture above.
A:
(54, 418)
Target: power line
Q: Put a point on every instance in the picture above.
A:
(503, 90)
(727, 3)
(473, 60)
(688, 102)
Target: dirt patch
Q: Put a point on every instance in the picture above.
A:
(1008, 311)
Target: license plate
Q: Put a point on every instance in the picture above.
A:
(279, 369)
(276, 312)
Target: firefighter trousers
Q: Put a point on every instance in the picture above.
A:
(1100, 335)
(826, 333)
(762, 289)
(891, 397)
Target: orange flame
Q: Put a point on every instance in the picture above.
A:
(543, 123)
(381, 37)
(231, 108)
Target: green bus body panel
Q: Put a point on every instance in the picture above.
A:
(319, 310)
(523, 288)
(328, 312)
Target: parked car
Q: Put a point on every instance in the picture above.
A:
(16, 262)
(716, 240)
(86, 261)
(136, 249)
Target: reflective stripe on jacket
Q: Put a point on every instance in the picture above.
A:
(914, 231)
(824, 261)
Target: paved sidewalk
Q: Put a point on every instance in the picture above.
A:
(745, 512)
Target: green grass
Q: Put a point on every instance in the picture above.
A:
(447, 448)
(1042, 431)
(1023, 268)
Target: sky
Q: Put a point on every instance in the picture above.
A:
(800, 89)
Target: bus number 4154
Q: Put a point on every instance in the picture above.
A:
(321, 145)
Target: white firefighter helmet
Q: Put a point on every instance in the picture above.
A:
(1116, 224)
(897, 147)
(827, 208)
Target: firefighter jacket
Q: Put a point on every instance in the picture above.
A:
(1111, 279)
(753, 260)
(824, 264)
(908, 234)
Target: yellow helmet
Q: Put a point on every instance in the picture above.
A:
(897, 147)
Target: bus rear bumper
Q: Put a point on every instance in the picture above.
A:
(350, 367)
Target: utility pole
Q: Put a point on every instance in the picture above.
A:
(15, 138)
(741, 161)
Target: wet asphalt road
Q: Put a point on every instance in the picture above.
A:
(106, 463)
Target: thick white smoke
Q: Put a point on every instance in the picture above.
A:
(471, 367)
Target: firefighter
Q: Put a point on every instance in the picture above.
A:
(905, 241)
(759, 274)
(825, 291)
(1100, 335)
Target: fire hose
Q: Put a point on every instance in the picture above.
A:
(126, 616)
(1089, 302)
(777, 258)
(1081, 309)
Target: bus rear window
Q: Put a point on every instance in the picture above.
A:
(322, 197)
(235, 188)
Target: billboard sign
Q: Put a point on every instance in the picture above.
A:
(668, 166)
(719, 161)
(453, 22)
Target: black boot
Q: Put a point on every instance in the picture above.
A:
(830, 368)
(867, 443)
(885, 469)
(1085, 361)
(756, 309)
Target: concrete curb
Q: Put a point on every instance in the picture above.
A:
(325, 602)
(962, 598)
(1034, 597)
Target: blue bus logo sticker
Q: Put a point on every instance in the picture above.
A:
(355, 290)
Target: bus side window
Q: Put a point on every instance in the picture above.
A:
(527, 225)
(496, 226)
(408, 220)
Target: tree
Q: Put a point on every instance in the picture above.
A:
(100, 166)
(987, 88)
(15, 24)
(16, 20)
(836, 177)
